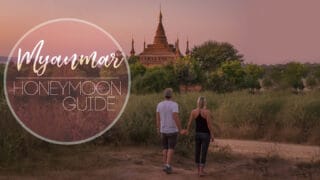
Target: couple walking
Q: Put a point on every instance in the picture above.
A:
(169, 125)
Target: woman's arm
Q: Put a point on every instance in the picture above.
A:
(209, 123)
(190, 121)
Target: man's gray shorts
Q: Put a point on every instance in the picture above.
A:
(169, 140)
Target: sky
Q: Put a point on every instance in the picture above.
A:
(264, 31)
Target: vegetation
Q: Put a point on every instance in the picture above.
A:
(274, 116)
(212, 54)
(218, 67)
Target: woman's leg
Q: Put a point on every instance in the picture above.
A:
(204, 148)
(197, 149)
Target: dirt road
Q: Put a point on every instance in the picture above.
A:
(228, 159)
(285, 151)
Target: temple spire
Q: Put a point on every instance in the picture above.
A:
(160, 37)
(177, 43)
(177, 49)
(187, 49)
(160, 15)
(132, 52)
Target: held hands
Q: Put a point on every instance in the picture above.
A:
(158, 132)
(212, 138)
(184, 132)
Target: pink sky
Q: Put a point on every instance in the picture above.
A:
(265, 31)
(67, 37)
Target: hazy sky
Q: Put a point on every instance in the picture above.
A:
(264, 31)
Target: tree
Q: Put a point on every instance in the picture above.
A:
(89, 71)
(133, 59)
(137, 69)
(188, 71)
(311, 81)
(212, 54)
(234, 72)
(253, 74)
(316, 72)
(313, 78)
(229, 77)
(293, 74)
(155, 80)
(273, 76)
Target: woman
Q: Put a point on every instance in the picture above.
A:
(204, 133)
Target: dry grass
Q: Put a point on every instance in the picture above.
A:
(274, 116)
(144, 162)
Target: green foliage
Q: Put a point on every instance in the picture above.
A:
(311, 81)
(216, 82)
(218, 67)
(137, 69)
(88, 71)
(305, 115)
(235, 115)
(138, 121)
(267, 82)
(155, 80)
(274, 74)
(15, 143)
(212, 54)
(316, 72)
(253, 74)
(293, 74)
(257, 113)
(230, 76)
(188, 71)
(133, 59)
(233, 71)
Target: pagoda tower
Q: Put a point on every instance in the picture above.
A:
(160, 52)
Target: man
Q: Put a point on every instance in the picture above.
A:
(168, 124)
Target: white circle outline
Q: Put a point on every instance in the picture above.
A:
(61, 142)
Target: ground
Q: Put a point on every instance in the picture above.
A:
(229, 159)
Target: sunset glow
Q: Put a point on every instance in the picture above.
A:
(266, 32)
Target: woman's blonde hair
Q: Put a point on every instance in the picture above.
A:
(201, 102)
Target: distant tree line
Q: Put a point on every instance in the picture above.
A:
(217, 67)
(220, 67)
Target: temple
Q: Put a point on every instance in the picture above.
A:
(160, 52)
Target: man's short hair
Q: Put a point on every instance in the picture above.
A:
(168, 93)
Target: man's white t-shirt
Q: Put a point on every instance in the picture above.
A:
(166, 109)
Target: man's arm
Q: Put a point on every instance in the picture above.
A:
(177, 120)
(158, 122)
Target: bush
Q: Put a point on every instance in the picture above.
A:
(276, 116)
(155, 80)
(304, 114)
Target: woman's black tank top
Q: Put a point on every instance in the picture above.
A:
(201, 124)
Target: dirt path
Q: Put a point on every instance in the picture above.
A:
(285, 151)
(256, 161)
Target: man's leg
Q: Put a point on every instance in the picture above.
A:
(172, 141)
(164, 151)
(169, 156)
(164, 156)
